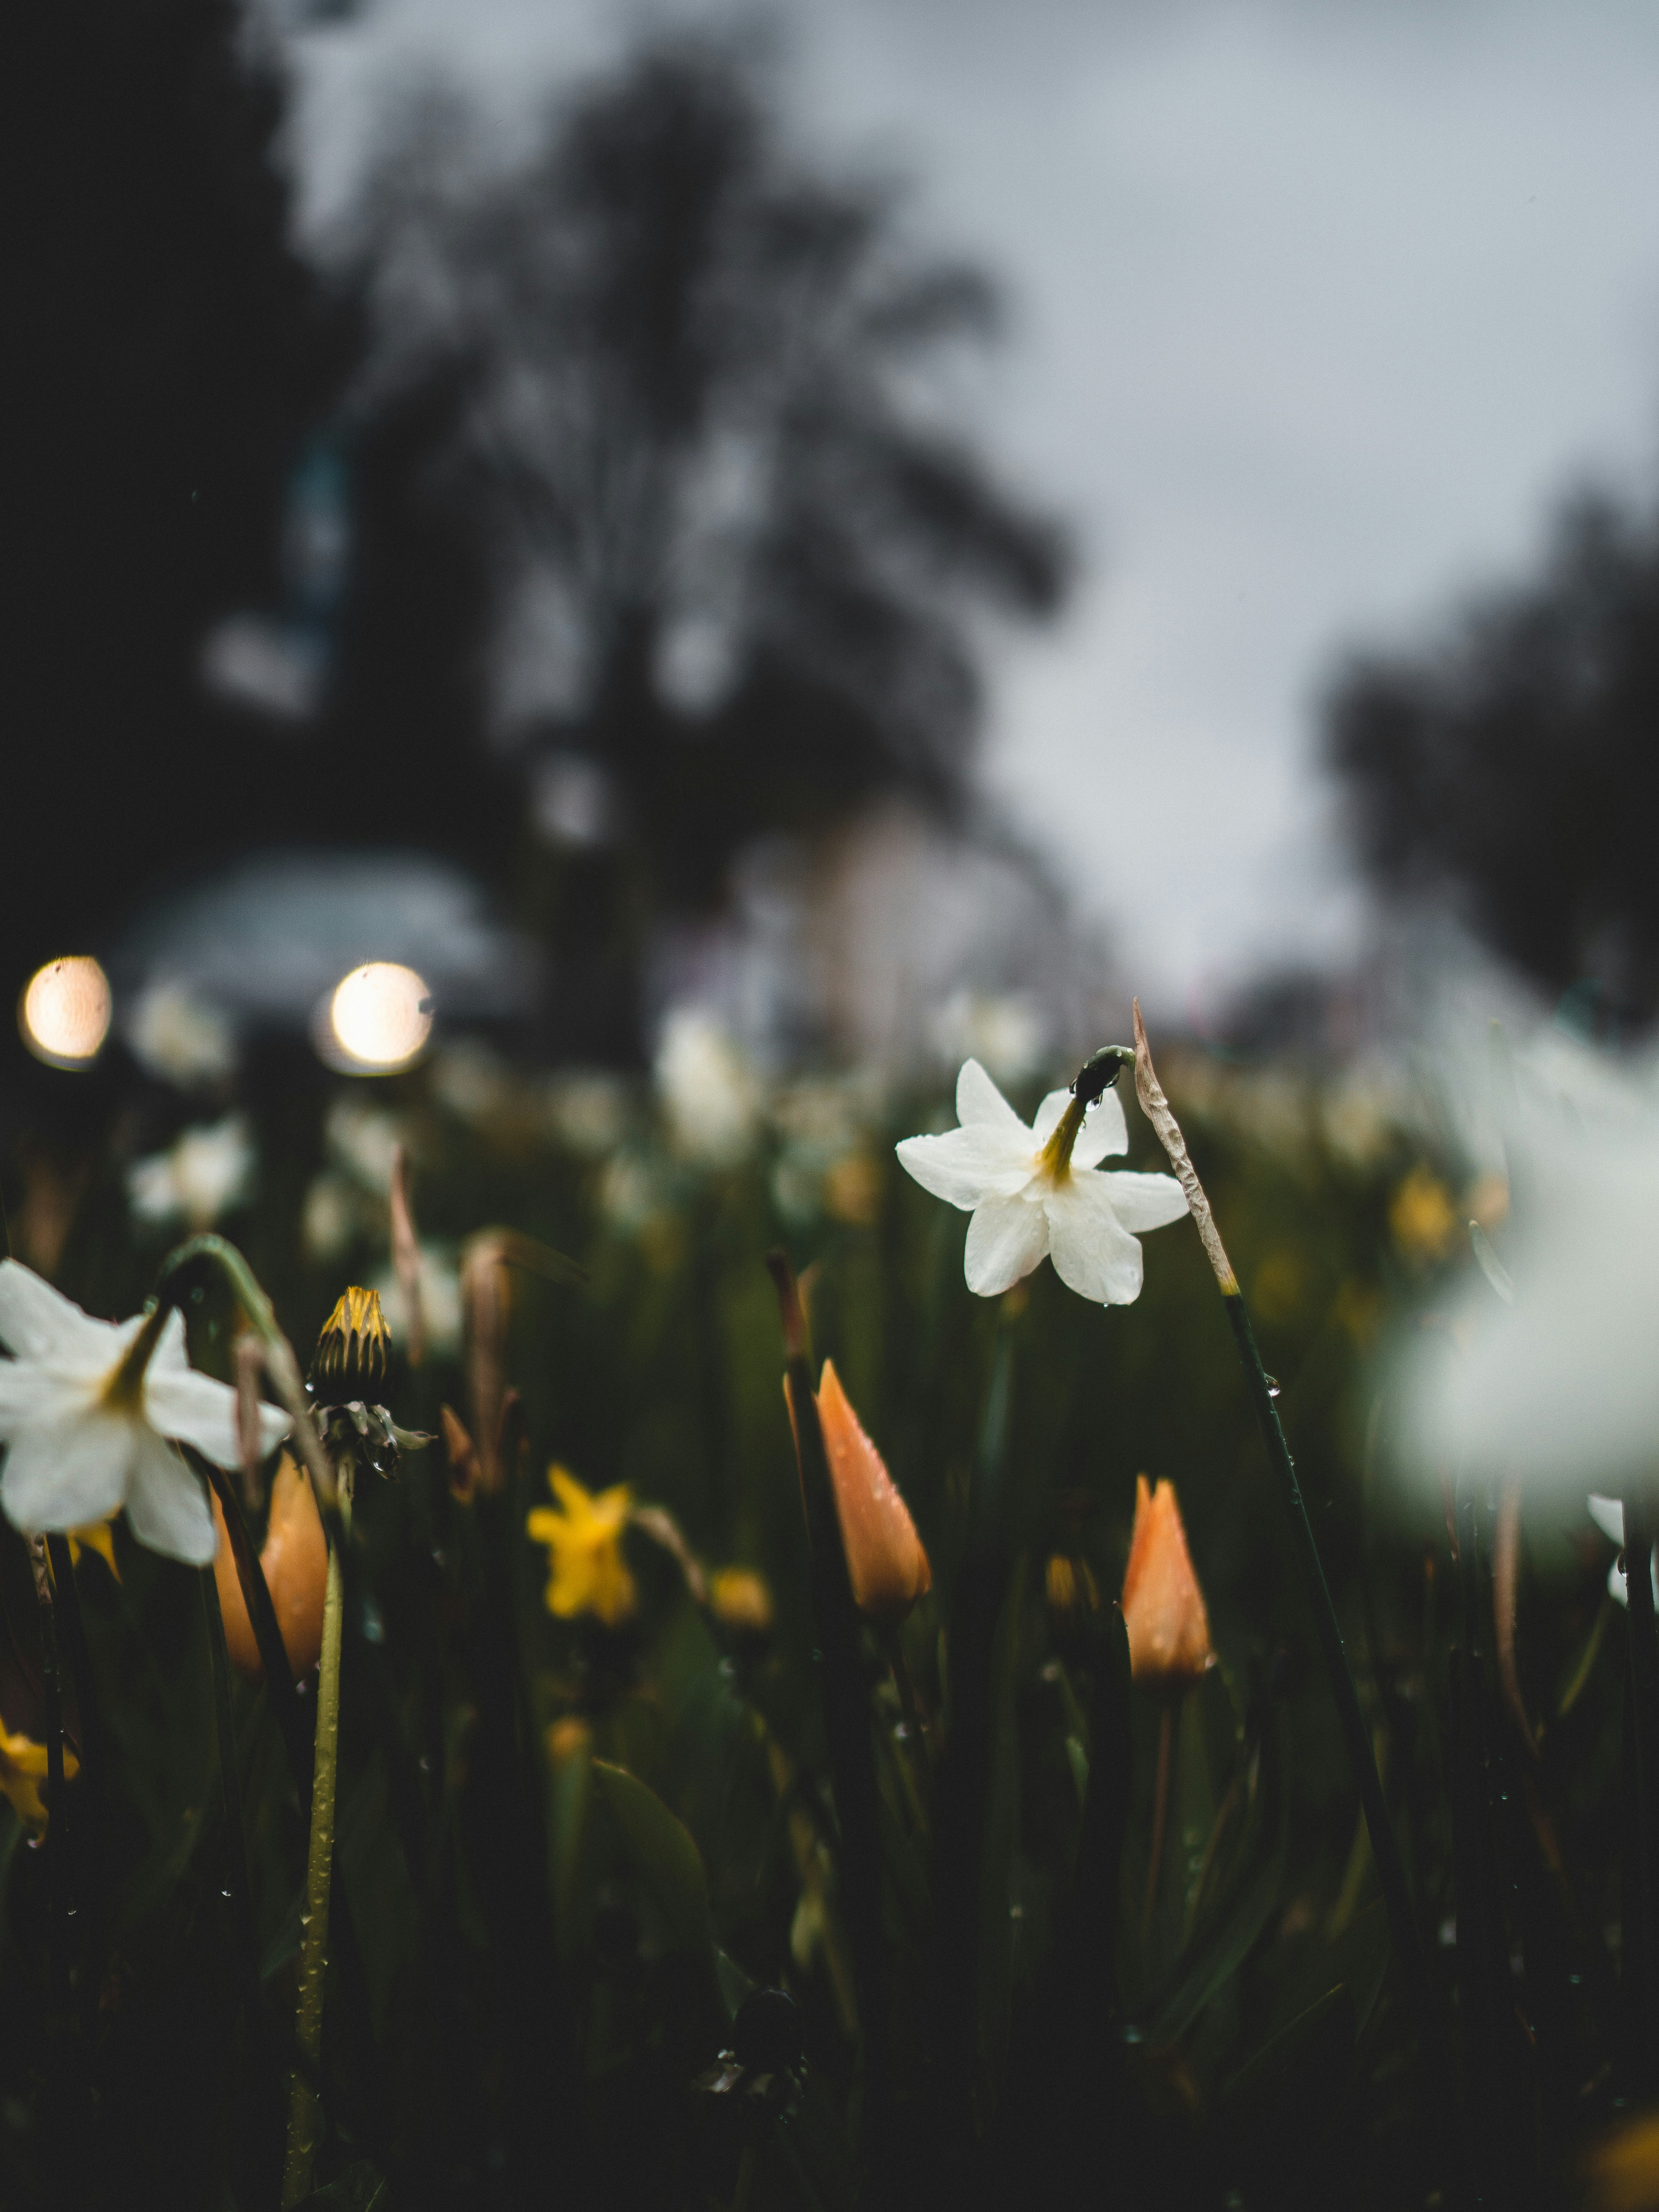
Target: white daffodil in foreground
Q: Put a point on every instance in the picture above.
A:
(1036, 1192)
(87, 1408)
(1608, 1515)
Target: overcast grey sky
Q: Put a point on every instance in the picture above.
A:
(1317, 309)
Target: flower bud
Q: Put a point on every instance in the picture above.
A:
(294, 1563)
(356, 1336)
(885, 1556)
(1163, 1605)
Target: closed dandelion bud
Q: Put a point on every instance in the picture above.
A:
(1163, 1605)
(885, 1556)
(356, 1337)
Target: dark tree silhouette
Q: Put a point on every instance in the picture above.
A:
(1514, 769)
(688, 392)
(165, 353)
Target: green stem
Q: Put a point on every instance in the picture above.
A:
(304, 2101)
(1644, 1701)
(62, 2001)
(230, 1787)
(280, 1364)
(846, 1719)
(1356, 1736)
(262, 1615)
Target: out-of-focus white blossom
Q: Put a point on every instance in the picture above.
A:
(587, 1112)
(364, 1140)
(181, 1037)
(710, 1097)
(86, 1409)
(330, 1218)
(1559, 1389)
(440, 1300)
(1005, 1030)
(197, 1179)
(1037, 1191)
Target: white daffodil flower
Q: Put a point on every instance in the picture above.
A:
(1608, 1515)
(87, 1408)
(1034, 1191)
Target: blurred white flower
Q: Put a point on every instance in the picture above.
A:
(364, 1140)
(181, 1037)
(1559, 1390)
(1608, 1515)
(1005, 1030)
(330, 1216)
(470, 1081)
(200, 1177)
(587, 1111)
(86, 1409)
(1034, 1191)
(710, 1097)
(440, 1300)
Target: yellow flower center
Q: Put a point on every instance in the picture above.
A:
(1054, 1160)
(124, 1389)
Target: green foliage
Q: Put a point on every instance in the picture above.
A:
(569, 1854)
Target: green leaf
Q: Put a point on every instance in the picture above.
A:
(661, 1852)
(1316, 2045)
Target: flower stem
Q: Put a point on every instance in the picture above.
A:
(304, 2101)
(846, 1716)
(1639, 1532)
(1385, 1845)
(61, 2003)
(262, 1614)
(281, 1365)
(231, 1790)
(1160, 1814)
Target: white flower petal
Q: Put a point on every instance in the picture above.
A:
(62, 1475)
(170, 1355)
(1047, 1116)
(196, 1410)
(37, 1323)
(1618, 1588)
(1105, 1133)
(979, 1102)
(30, 1394)
(966, 1165)
(1007, 1238)
(1143, 1201)
(1094, 1253)
(1608, 1515)
(167, 1505)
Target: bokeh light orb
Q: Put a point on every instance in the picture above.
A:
(64, 1011)
(380, 1017)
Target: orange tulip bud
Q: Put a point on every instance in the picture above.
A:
(295, 1562)
(885, 1557)
(1163, 1605)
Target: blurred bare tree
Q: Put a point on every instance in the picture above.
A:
(1514, 769)
(681, 401)
(167, 352)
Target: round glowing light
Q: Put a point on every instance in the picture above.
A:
(64, 1014)
(380, 1017)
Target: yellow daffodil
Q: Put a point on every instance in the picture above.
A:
(584, 1542)
(22, 1770)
